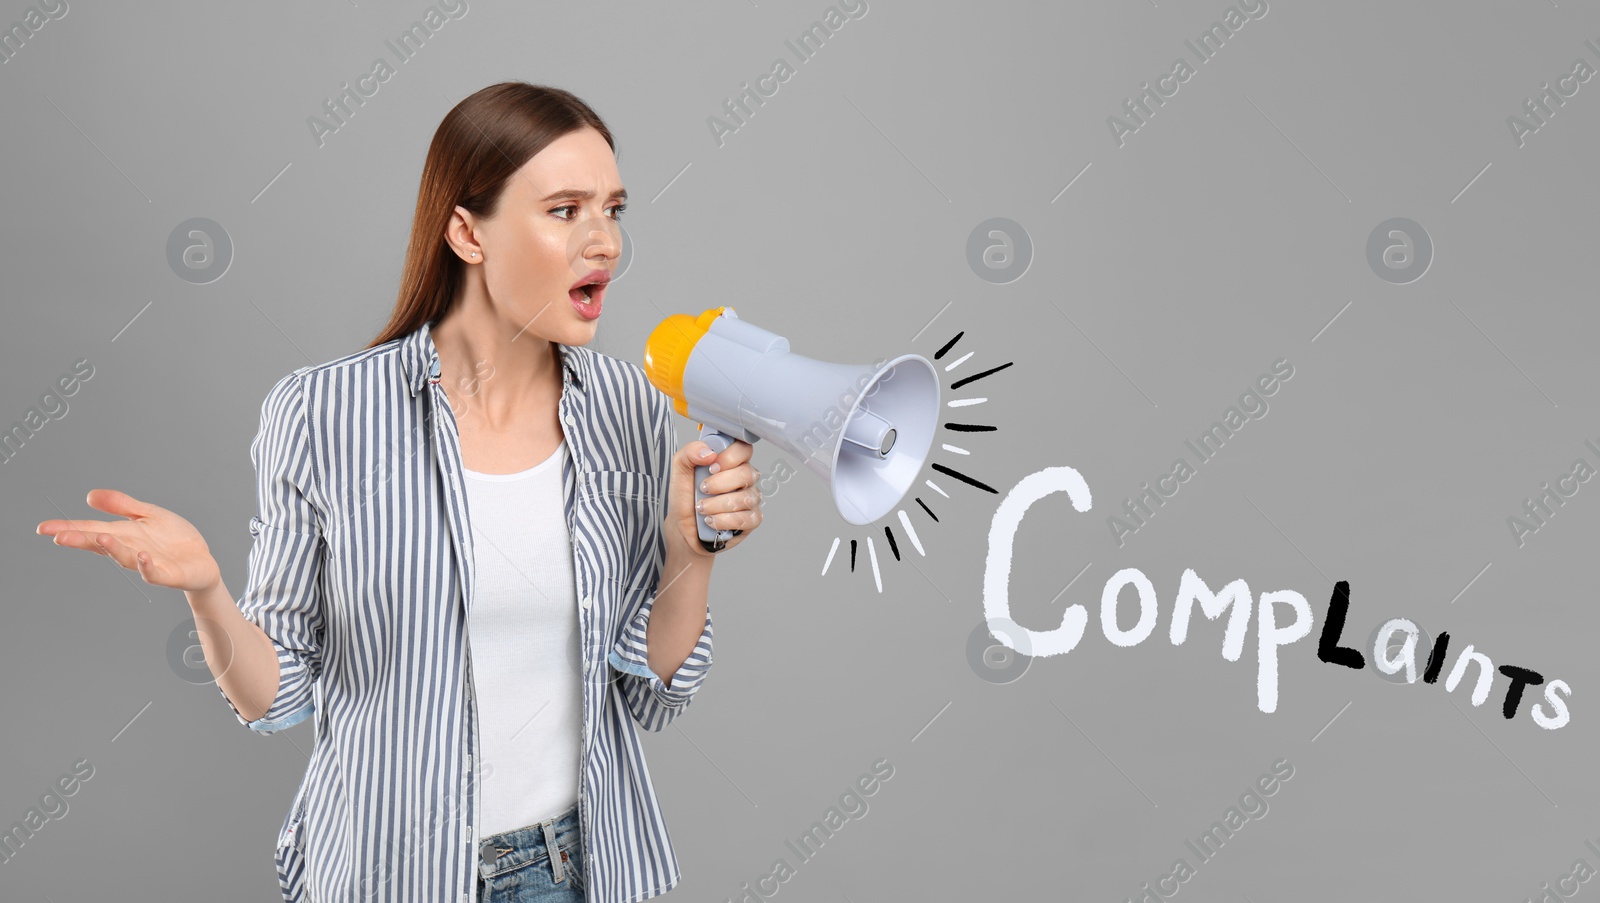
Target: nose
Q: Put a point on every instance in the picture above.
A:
(603, 240)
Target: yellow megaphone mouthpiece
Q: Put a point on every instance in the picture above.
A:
(667, 351)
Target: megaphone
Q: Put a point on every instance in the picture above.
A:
(864, 428)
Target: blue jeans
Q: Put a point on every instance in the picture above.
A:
(517, 866)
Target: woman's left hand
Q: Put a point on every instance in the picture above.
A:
(734, 500)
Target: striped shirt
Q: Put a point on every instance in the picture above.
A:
(361, 573)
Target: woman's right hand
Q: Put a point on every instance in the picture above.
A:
(163, 547)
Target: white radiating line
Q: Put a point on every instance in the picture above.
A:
(1469, 583)
(1331, 721)
(906, 523)
(952, 448)
(1474, 179)
(1085, 166)
(831, 549)
(931, 319)
(957, 362)
(931, 720)
(1330, 322)
(936, 489)
(963, 402)
(872, 552)
(153, 702)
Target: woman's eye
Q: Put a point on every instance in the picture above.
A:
(573, 207)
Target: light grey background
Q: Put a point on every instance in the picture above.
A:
(1229, 232)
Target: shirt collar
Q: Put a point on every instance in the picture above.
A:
(419, 359)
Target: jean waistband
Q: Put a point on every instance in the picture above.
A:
(528, 843)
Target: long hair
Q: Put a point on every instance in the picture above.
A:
(479, 146)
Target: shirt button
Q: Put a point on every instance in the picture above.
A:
(571, 420)
(586, 601)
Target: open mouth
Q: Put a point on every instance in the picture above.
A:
(589, 291)
(588, 294)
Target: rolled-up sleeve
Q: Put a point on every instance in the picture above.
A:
(655, 704)
(283, 592)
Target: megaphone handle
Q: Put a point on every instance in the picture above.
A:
(711, 539)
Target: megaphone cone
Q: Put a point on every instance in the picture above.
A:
(864, 428)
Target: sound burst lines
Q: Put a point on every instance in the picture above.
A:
(954, 427)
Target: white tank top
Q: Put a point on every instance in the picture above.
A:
(523, 635)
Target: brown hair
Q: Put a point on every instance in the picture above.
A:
(476, 150)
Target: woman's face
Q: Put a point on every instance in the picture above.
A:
(556, 225)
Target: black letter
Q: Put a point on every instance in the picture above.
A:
(1436, 659)
(1328, 648)
(1519, 676)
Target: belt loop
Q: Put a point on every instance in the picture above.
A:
(552, 848)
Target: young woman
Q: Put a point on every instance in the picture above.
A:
(476, 464)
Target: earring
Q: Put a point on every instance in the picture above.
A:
(474, 253)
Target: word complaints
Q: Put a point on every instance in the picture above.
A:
(1282, 617)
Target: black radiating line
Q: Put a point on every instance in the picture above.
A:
(852, 556)
(929, 510)
(946, 346)
(892, 547)
(964, 478)
(970, 427)
(967, 379)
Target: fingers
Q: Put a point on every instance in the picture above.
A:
(736, 500)
(147, 569)
(733, 497)
(732, 470)
(737, 507)
(119, 551)
(698, 453)
(113, 501)
(734, 455)
(742, 519)
(59, 526)
(88, 538)
(97, 537)
(100, 537)
(725, 479)
(102, 543)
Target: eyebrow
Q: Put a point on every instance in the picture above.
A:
(579, 194)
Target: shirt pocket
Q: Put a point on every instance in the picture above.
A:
(618, 523)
